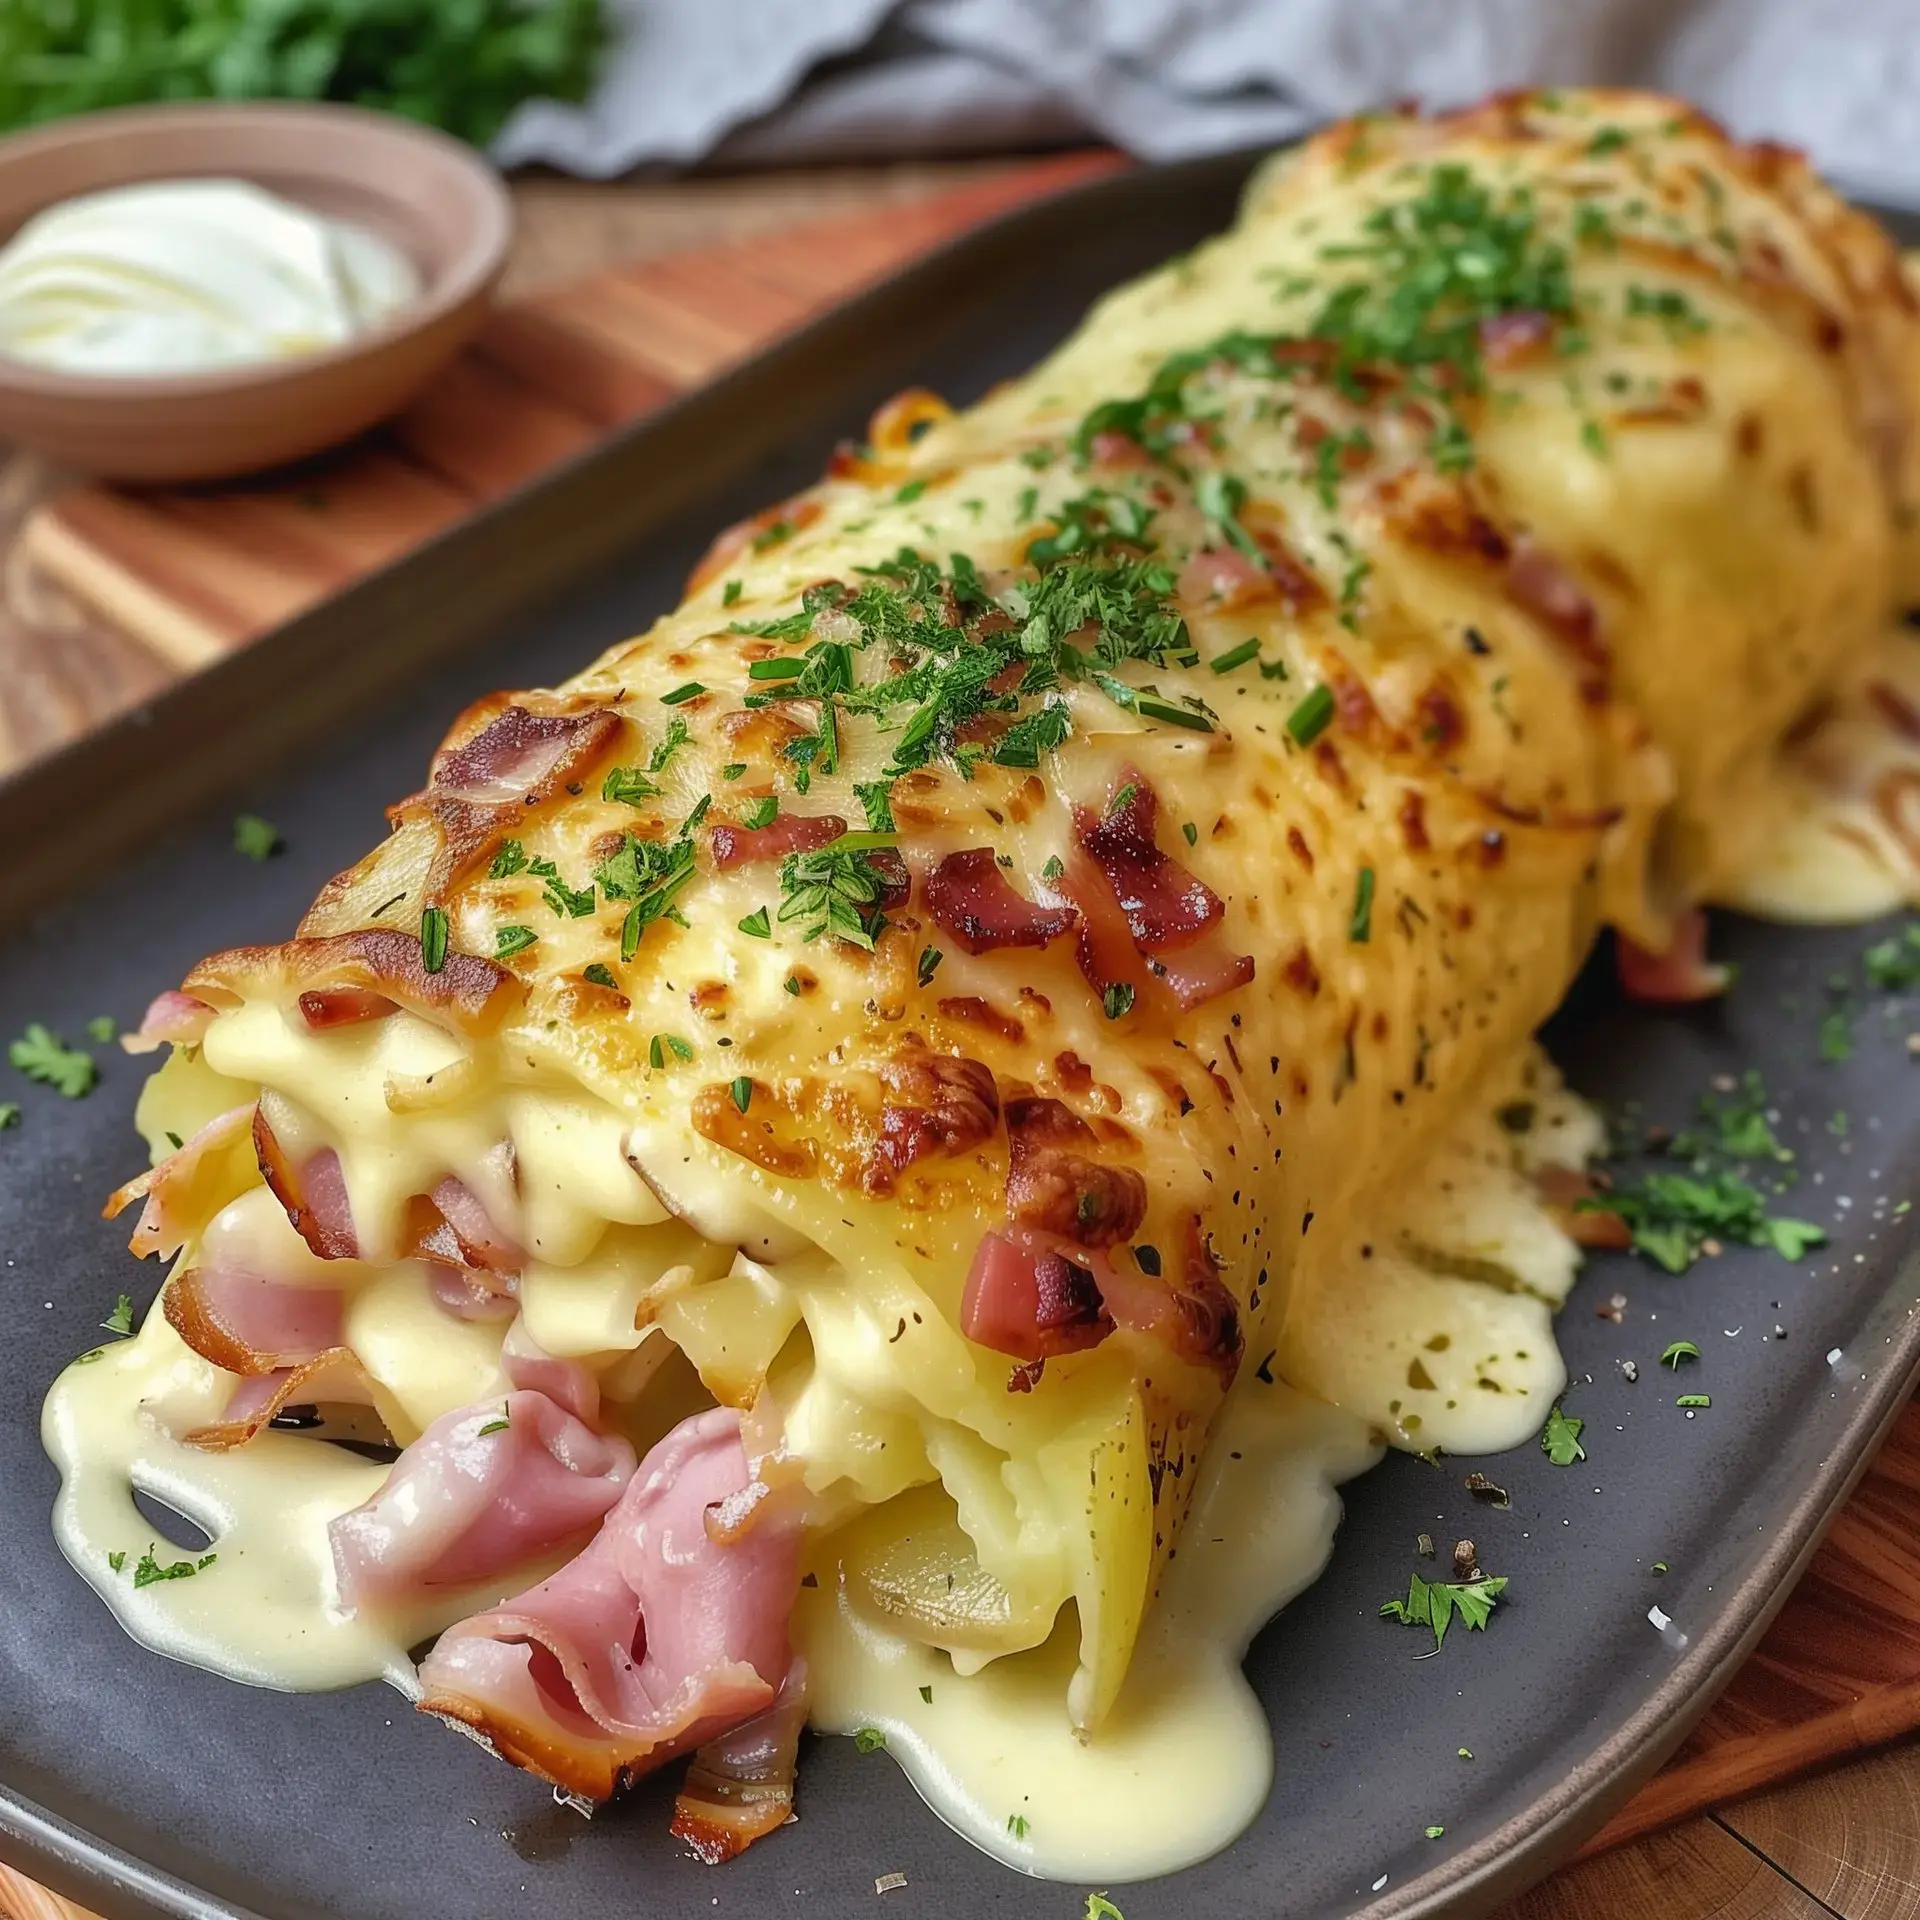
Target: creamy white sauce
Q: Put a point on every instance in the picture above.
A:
(179, 276)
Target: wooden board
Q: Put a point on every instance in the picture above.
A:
(191, 573)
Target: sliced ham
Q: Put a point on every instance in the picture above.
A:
(784, 834)
(740, 1786)
(481, 1242)
(171, 1018)
(971, 900)
(314, 1194)
(1203, 972)
(653, 1640)
(567, 1383)
(324, 1007)
(1681, 976)
(519, 754)
(249, 1325)
(1166, 907)
(483, 1491)
(472, 1293)
(182, 1190)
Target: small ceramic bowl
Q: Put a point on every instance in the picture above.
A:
(435, 200)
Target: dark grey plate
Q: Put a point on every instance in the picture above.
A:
(145, 1787)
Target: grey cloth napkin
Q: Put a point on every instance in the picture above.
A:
(765, 82)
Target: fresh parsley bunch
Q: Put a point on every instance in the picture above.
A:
(458, 64)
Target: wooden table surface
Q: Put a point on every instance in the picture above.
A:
(1845, 1843)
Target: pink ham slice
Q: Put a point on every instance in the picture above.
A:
(654, 1640)
(567, 1383)
(786, 833)
(333, 1378)
(483, 1491)
(175, 1189)
(176, 1018)
(740, 1786)
(971, 901)
(471, 1293)
(314, 1195)
(248, 1325)
(1682, 976)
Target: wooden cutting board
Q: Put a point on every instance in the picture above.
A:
(191, 574)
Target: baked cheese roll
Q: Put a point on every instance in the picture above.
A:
(800, 1130)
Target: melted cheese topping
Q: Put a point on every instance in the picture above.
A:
(698, 1157)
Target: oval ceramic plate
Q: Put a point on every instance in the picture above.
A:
(146, 1787)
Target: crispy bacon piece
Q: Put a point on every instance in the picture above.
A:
(936, 1104)
(180, 1191)
(1225, 578)
(252, 1326)
(1112, 448)
(1681, 976)
(740, 1786)
(323, 1007)
(1033, 1295)
(654, 1639)
(1508, 339)
(1562, 1189)
(315, 1196)
(786, 833)
(1054, 1184)
(468, 993)
(1203, 972)
(1539, 582)
(170, 1017)
(334, 1378)
(971, 901)
(1197, 1320)
(1166, 907)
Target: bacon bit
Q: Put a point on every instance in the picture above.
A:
(1072, 1072)
(970, 900)
(468, 993)
(1225, 578)
(314, 1196)
(1296, 582)
(786, 833)
(1032, 1297)
(1197, 1320)
(1509, 339)
(1562, 1189)
(1166, 907)
(1056, 1187)
(176, 1018)
(974, 1011)
(796, 513)
(1413, 820)
(739, 1788)
(519, 753)
(1202, 973)
(1021, 1380)
(323, 1007)
(1112, 448)
(1538, 583)
(1442, 725)
(1682, 976)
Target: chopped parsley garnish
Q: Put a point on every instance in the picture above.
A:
(1677, 1351)
(569, 902)
(757, 924)
(1360, 927)
(730, 593)
(1673, 1215)
(1739, 1123)
(762, 813)
(868, 1740)
(629, 786)
(1117, 1000)
(1434, 1833)
(256, 838)
(692, 690)
(1016, 1822)
(664, 1043)
(1054, 867)
(742, 1091)
(772, 536)
(508, 941)
(101, 1028)
(1694, 1400)
(120, 1320)
(929, 964)
(9, 1114)
(1310, 719)
(1434, 1603)
(1220, 497)
(148, 1570)
(115, 1561)
(651, 875)
(498, 1424)
(835, 890)
(1235, 656)
(600, 974)
(433, 939)
(508, 858)
(1560, 1438)
(1099, 1907)
(1593, 437)
(1893, 964)
(733, 770)
(44, 1057)
(1607, 140)
(1666, 304)
(909, 493)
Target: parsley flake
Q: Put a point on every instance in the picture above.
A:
(929, 964)
(256, 838)
(148, 1570)
(742, 1091)
(868, 1740)
(1235, 656)
(1360, 926)
(1434, 1604)
(1310, 719)
(600, 974)
(1693, 1400)
(692, 690)
(433, 939)
(1677, 1351)
(44, 1057)
(757, 925)
(508, 941)
(1560, 1439)
(1117, 999)
(120, 1320)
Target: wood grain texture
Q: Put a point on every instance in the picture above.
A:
(1693, 1872)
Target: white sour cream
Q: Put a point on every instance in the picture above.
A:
(181, 276)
